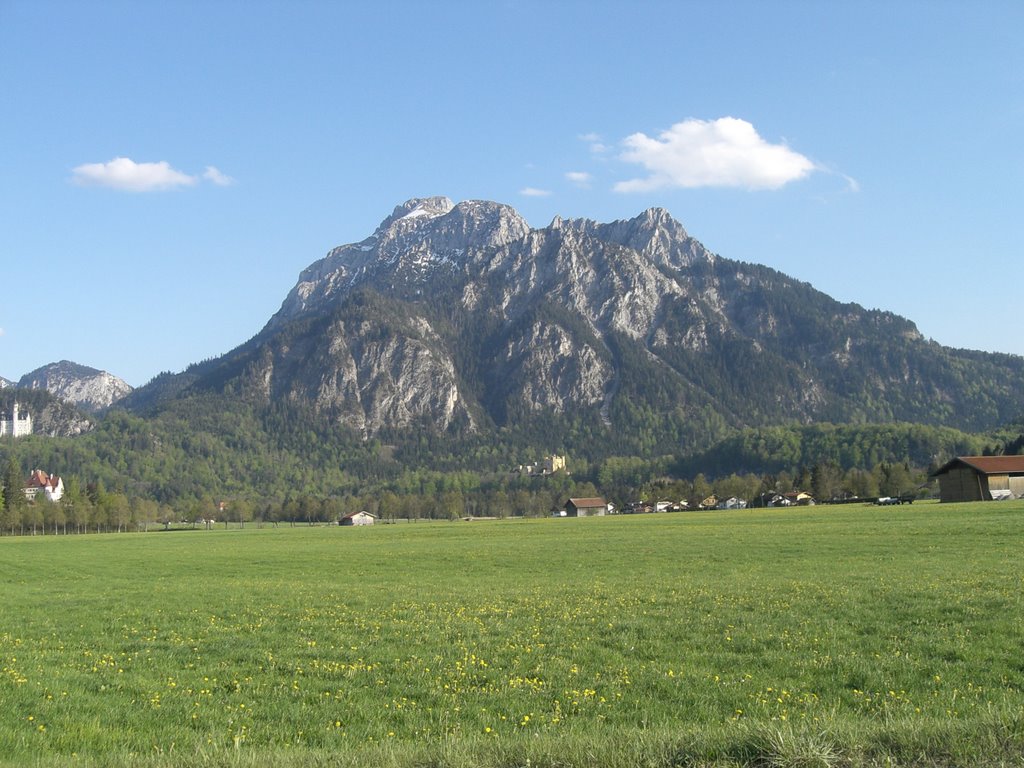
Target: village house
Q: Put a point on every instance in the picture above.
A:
(981, 478)
(51, 486)
(358, 518)
(799, 498)
(18, 425)
(638, 508)
(771, 499)
(731, 503)
(592, 507)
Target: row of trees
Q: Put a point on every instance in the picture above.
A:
(825, 481)
(214, 443)
(78, 511)
(132, 473)
(92, 508)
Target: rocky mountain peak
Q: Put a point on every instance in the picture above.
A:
(484, 224)
(417, 208)
(654, 234)
(88, 388)
(471, 224)
(422, 238)
(659, 237)
(656, 216)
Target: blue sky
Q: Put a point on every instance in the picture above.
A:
(167, 169)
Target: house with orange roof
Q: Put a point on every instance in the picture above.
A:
(51, 486)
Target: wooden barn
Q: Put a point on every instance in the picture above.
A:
(981, 478)
(586, 507)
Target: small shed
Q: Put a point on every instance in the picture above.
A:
(586, 507)
(358, 518)
(981, 478)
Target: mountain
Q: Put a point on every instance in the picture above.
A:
(5, 383)
(629, 336)
(90, 389)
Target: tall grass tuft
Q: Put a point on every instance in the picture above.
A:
(786, 747)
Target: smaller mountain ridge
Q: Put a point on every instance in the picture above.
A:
(88, 388)
(4, 383)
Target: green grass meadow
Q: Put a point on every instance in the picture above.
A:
(805, 637)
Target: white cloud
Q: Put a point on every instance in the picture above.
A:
(124, 173)
(534, 192)
(597, 145)
(727, 152)
(579, 178)
(220, 179)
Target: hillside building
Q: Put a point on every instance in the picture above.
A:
(548, 466)
(18, 425)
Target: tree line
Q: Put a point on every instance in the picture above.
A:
(212, 457)
(93, 508)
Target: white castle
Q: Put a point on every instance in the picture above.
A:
(17, 425)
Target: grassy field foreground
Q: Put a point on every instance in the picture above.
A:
(822, 636)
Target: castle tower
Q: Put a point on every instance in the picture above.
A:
(18, 425)
(25, 423)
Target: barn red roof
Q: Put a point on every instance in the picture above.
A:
(986, 465)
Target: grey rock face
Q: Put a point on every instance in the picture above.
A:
(88, 388)
(354, 374)
(421, 238)
(494, 266)
(57, 421)
(557, 372)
